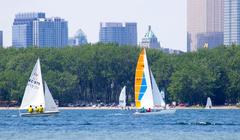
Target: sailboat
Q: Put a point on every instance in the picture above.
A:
(147, 94)
(209, 103)
(35, 96)
(122, 98)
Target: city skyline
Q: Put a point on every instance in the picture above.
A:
(204, 23)
(35, 29)
(157, 13)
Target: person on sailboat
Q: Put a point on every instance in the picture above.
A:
(143, 110)
(149, 110)
(40, 109)
(30, 109)
(36, 109)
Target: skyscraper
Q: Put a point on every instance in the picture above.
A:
(34, 29)
(122, 34)
(231, 22)
(22, 29)
(50, 32)
(150, 40)
(204, 23)
(1, 38)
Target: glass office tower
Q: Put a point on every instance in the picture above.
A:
(231, 22)
(115, 32)
(34, 29)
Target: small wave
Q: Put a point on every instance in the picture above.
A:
(195, 123)
(116, 114)
(204, 123)
(86, 123)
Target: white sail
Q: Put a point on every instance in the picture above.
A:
(209, 103)
(147, 99)
(33, 94)
(157, 96)
(122, 97)
(49, 102)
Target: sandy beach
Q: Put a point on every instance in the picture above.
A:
(131, 108)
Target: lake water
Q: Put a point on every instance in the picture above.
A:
(122, 125)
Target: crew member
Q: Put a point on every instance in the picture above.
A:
(36, 109)
(40, 109)
(143, 110)
(149, 110)
(30, 109)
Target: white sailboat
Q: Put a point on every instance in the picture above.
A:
(147, 94)
(122, 98)
(209, 103)
(35, 96)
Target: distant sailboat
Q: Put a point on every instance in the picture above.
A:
(147, 94)
(122, 98)
(34, 95)
(209, 103)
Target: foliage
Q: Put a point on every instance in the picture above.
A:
(96, 73)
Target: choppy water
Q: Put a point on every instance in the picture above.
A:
(122, 125)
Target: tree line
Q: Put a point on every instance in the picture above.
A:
(97, 72)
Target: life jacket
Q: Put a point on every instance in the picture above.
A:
(40, 109)
(30, 109)
(36, 109)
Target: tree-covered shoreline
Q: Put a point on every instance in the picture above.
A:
(96, 73)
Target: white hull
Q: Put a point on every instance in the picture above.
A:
(208, 107)
(38, 114)
(158, 112)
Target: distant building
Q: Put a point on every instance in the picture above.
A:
(79, 39)
(34, 29)
(1, 38)
(150, 40)
(213, 39)
(231, 22)
(171, 51)
(122, 34)
(205, 23)
(22, 29)
(50, 32)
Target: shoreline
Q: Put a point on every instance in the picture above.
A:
(131, 108)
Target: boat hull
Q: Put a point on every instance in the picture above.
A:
(38, 114)
(158, 112)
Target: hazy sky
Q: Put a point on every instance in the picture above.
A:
(167, 17)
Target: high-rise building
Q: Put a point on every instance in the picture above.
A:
(34, 29)
(79, 39)
(122, 34)
(150, 40)
(205, 21)
(1, 38)
(50, 32)
(231, 22)
(22, 29)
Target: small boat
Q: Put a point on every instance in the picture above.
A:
(122, 98)
(209, 103)
(35, 96)
(157, 112)
(147, 94)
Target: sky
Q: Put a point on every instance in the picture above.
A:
(166, 17)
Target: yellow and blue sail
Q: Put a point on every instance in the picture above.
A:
(140, 80)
